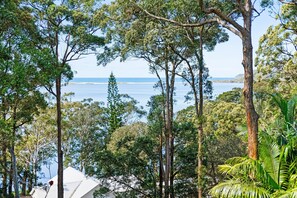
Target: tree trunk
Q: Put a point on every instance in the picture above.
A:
(172, 169)
(24, 183)
(59, 129)
(161, 166)
(15, 173)
(4, 175)
(251, 114)
(10, 184)
(30, 181)
(172, 82)
(13, 158)
(168, 132)
(167, 135)
(35, 173)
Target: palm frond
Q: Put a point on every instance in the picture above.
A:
(291, 109)
(285, 194)
(247, 170)
(282, 104)
(269, 155)
(237, 189)
(236, 166)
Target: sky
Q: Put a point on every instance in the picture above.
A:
(224, 61)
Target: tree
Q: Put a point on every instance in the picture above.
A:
(223, 138)
(276, 55)
(83, 124)
(226, 15)
(194, 41)
(130, 161)
(151, 43)
(121, 108)
(273, 175)
(70, 23)
(21, 78)
(114, 109)
(36, 148)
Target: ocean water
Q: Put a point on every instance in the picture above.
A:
(140, 89)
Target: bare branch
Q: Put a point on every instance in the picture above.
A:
(226, 19)
(230, 28)
(207, 21)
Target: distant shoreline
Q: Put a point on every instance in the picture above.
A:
(127, 80)
(228, 81)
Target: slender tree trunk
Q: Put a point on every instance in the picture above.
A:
(10, 184)
(35, 172)
(200, 117)
(214, 174)
(163, 130)
(15, 173)
(59, 129)
(172, 169)
(251, 114)
(172, 82)
(168, 132)
(167, 136)
(4, 175)
(30, 181)
(24, 183)
(13, 158)
(161, 166)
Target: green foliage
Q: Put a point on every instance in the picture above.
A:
(276, 55)
(220, 143)
(130, 159)
(83, 124)
(273, 175)
(233, 96)
(113, 104)
(121, 108)
(287, 108)
(224, 117)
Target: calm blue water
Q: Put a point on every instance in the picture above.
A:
(139, 88)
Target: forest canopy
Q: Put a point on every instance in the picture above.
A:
(240, 143)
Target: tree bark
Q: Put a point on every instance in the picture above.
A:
(169, 139)
(4, 175)
(24, 182)
(13, 158)
(10, 182)
(15, 173)
(251, 114)
(245, 33)
(161, 166)
(167, 135)
(200, 115)
(59, 130)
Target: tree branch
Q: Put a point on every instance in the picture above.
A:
(207, 21)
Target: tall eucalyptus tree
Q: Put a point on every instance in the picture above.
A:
(68, 31)
(20, 80)
(237, 17)
(146, 39)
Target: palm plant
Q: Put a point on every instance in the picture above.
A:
(274, 174)
(288, 109)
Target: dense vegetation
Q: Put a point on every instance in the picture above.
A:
(242, 143)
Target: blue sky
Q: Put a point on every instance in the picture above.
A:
(224, 61)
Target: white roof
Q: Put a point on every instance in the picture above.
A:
(69, 175)
(76, 185)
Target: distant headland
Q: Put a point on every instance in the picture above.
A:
(237, 79)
